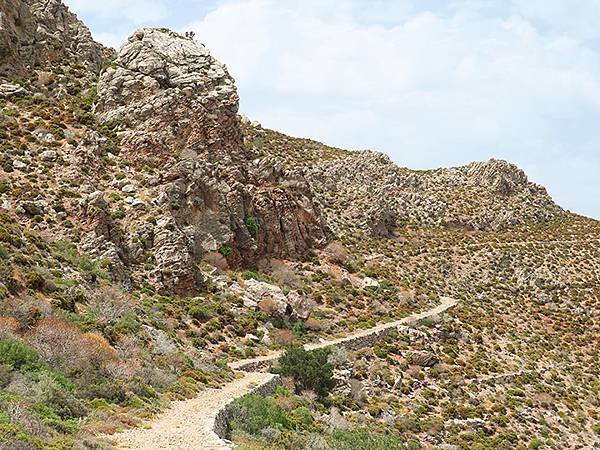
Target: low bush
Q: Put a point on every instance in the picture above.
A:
(18, 355)
(226, 250)
(283, 337)
(199, 312)
(64, 345)
(253, 413)
(365, 440)
(309, 369)
(252, 226)
(9, 327)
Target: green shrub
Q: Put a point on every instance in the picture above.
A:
(365, 440)
(66, 251)
(302, 419)
(254, 413)
(86, 100)
(310, 369)
(4, 417)
(200, 313)
(99, 403)
(119, 214)
(50, 418)
(536, 443)
(18, 355)
(249, 275)
(252, 226)
(226, 250)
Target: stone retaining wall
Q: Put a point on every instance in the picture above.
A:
(224, 416)
(358, 342)
(255, 366)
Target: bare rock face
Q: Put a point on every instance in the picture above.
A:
(176, 100)
(8, 90)
(423, 359)
(501, 176)
(37, 34)
(175, 109)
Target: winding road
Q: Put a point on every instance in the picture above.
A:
(190, 424)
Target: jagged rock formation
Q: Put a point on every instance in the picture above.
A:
(368, 191)
(176, 109)
(36, 34)
(174, 98)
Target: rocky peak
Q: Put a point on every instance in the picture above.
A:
(174, 61)
(503, 177)
(175, 109)
(171, 95)
(37, 34)
(367, 190)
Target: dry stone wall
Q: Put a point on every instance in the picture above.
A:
(225, 415)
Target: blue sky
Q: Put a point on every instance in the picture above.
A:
(430, 82)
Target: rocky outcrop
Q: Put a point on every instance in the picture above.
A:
(423, 359)
(366, 190)
(175, 98)
(8, 90)
(175, 109)
(37, 34)
(500, 176)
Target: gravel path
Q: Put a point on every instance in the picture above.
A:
(445, 304)
(189, 424)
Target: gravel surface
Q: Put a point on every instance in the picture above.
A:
(188, 424)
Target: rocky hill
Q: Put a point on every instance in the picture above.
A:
(148, 233)
(366, 190)
(35, 35)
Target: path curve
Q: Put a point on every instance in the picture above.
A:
(192, 424)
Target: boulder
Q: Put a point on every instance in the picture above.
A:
(423, 359)
(49, 156)
(301, 306)
(8, 90)
(369, 283)
(268, 296)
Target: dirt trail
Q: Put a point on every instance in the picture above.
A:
(189, 424)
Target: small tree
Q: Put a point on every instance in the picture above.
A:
(310, 369)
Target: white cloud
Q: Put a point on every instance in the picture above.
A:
(576, 17)
(429, 89)
(134, 11)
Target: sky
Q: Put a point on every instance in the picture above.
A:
(432, 83)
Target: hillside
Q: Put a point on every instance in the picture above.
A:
(149, 234)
